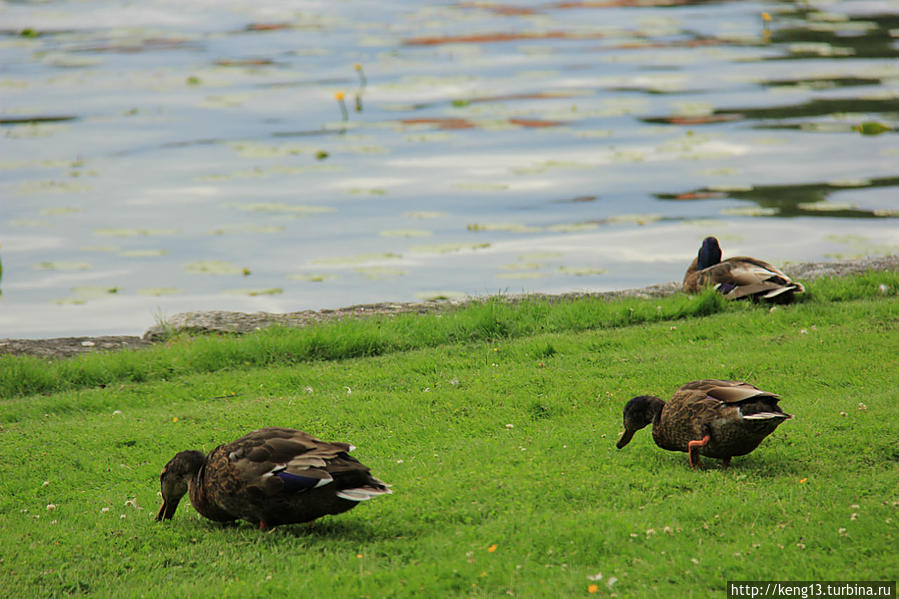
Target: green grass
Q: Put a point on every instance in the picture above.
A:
(428, 400)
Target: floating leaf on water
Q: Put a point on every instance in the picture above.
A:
(872, 128)
(64, 265)
(447, 248)
(142, 253)
(134, 232)
(749, 211)
(312, 277)
(850, 183)
(158, 291)
(379, 272)
(819, 48)
(728, 187)
(250, 149)
(885, 212)
(255, 292)
(215, 267)
(826, 206)
(572, 227)
(435, 296)
(30, 187)
(539, 256)
(476, 186)
(521, 266)
(29, 222)
(373, 191)
(582, 271)
(405, 233)
(250, 228)
(279, 208)
(357, 259)
(423, 214)
(640, 219)
(509, 227)
(59, 210)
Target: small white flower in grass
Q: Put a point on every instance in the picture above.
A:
(800, 545)
(308, 389)
(510, 426)
(862, 407)
(348, 391)
(694, 560)
(595, 577)
(854, 506)
(122, 517)
(454, 382)
(51, 507)
(650, 532)
(844, 414)
(427, 390)
(611, 582)
(841, 531)
(854, 516)
(803, 331)
(117, 412)
(46, 483)
(399, 461)
(53, 521)
(103, 510)
(883, 288)
(668, 530)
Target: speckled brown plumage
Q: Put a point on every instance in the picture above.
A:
(269, 477)
(738, 277)
(711, 417)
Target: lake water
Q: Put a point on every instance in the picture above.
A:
(160, 156)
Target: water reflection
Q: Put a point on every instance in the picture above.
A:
(806, 199)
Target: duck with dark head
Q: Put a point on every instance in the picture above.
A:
(715, 418)
(269, 477)
(738, 277)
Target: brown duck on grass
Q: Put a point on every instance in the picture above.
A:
(714, 418)
(738, 277)
(269, 477)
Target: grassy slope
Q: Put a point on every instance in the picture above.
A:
(551, 494)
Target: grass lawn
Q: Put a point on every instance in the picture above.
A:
(496, 425)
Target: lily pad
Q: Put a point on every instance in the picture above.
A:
(357, 259)
(509, 227)
(424, 214)
(280, 208)
(405, 233)
(134, 232)
(312, 277)
(158, 291)
(64, 265)
(572, 227)
(215, 267)
(379, 272)
(57, 210)
(582, 271)
(826, 206)
(750, 211)
(447, 248)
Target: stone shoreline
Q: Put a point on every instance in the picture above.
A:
(242, 322)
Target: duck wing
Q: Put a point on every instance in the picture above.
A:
(743, 276)
(287, 461)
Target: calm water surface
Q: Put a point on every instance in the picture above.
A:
(159, 156)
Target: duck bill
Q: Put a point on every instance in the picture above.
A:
(168, 509)
(625, 438)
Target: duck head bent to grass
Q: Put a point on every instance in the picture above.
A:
(738, 277)
(711, 417)
(269, 477)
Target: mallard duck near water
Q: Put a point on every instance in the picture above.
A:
(738, 277)
(269, 477)
(711, 417)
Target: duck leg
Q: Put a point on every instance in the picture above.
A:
(725, 463)
(693, 450)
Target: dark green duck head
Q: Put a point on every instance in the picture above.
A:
(638, 413)
(175, 478)
(709, 253)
